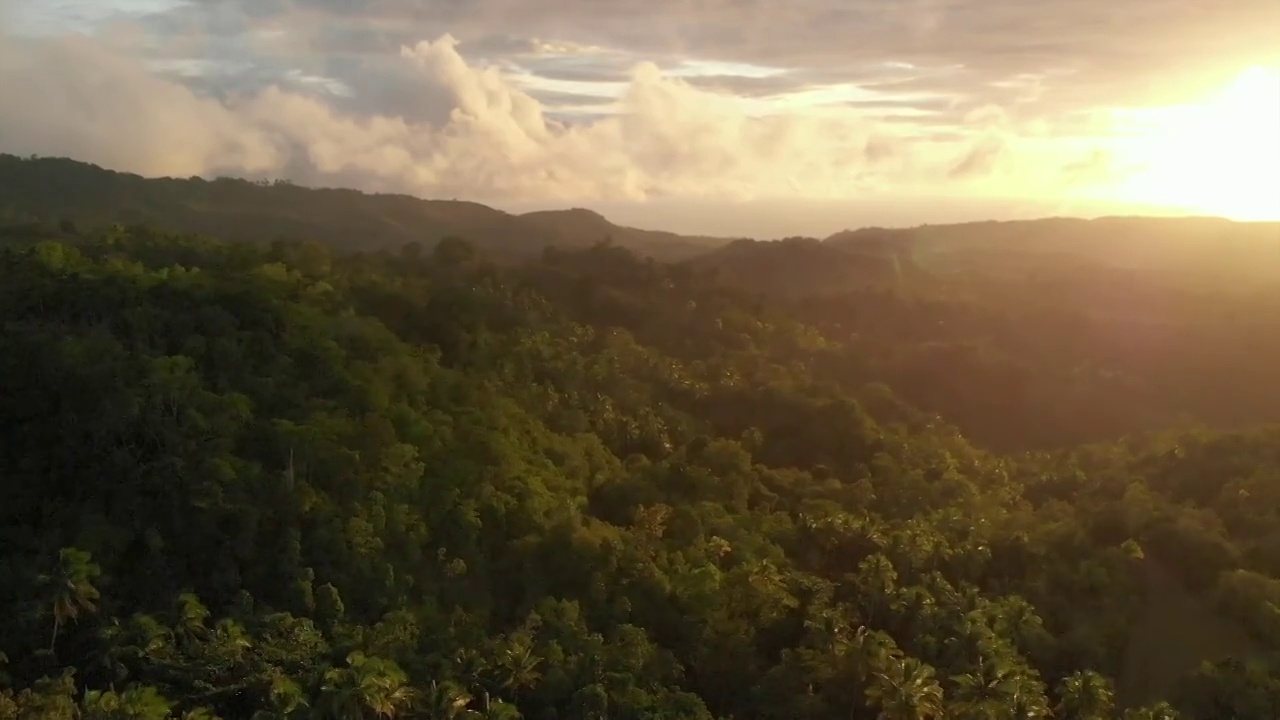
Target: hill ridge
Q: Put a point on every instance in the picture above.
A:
(56, 189)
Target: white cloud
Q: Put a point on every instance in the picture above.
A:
(553, 48)
(659, 136)
(82, 100)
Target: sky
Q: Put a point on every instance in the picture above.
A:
(732, 117)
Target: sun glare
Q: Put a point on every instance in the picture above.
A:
(1217, 157)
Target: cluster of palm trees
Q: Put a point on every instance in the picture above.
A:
(899, 686)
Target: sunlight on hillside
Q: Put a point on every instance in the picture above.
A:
(1218, 157)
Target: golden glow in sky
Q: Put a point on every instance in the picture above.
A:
(1220, 156)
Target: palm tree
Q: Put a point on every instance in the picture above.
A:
(517, 666)
(497, 710)
(1160, 711)
(1016, 619)
(870, 652)
(367, 687)
(906, 690)
(877, 583)
(1029, 701)
(284, 699)
(386, 687)
(340, 695)
(190, 621)
(69, 589)
(1085, 695)
(142, 703)
(231, 640)
(999, 690)
(984, 693)
(445, 701)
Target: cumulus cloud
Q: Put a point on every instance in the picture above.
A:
(828, 100)
(79, 99)
(663, 136)
(1104, 50)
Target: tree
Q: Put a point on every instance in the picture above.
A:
(285, 699)
(1159, 711)
(997, 691)
(1085, 695)
(68, 590)
(444, 700)
(136, 703)
(367, 687)
(590, 703)
(906, 690)
(47, 699)
(191, 615)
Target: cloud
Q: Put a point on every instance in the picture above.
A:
(514, 102)
(81, 100)
(748, 85)
(84, 100)
(980, 160)
(1105, 50)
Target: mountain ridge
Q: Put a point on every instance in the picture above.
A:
(53, 190)
(61, 189)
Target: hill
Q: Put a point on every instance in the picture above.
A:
(1207, 253)
(59, 189)
(802, 267)
(579, 227)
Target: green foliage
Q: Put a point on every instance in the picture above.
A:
(270, 482)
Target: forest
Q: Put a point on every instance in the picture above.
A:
(295, 478)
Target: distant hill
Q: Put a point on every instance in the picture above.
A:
(60, 189)
(588, 226)
(798, 267)
(1205, 252)
(1117, 265)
